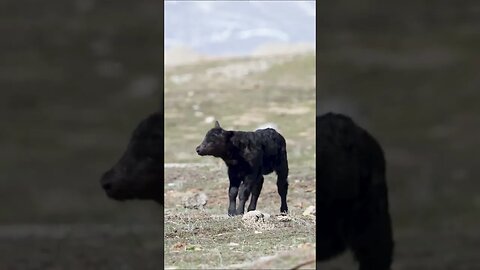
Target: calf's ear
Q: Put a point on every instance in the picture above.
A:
(217, 125)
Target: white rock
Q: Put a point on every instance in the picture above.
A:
(196, 201)
(284, 218)
(255, 216)
(310, 211)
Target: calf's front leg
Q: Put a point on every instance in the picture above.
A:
(245, 190)
(232, 195)
(235, 179)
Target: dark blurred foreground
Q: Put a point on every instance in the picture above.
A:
(76, 77)
(408, 72)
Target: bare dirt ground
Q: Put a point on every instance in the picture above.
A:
(207, 238)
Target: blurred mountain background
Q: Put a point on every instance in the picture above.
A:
(199, 30)
(237, 27)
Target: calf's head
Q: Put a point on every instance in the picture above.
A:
(139, 172)
(215, 142)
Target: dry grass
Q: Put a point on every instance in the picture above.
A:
(209, 239)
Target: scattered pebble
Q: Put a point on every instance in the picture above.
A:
(197, 201)
(255, 216)
(284, 218)
(310, 211)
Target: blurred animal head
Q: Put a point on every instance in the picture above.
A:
(139, 172)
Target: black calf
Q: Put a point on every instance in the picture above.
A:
(248, 156)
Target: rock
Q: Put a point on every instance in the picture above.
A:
(284, 218)
(197, 201)
(310, 211)
(255, 216)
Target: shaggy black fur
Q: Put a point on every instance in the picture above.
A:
(248, 156)
(139, 172)
(352, 193)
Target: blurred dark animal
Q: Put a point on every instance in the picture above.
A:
(352, 197)
(139, 172)
(248, 156)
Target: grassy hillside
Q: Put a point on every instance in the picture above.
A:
(243, 94)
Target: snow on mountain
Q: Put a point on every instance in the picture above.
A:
(237, 27)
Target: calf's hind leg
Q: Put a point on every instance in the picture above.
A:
(282, 187)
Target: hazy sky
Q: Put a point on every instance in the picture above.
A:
(237, 27)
